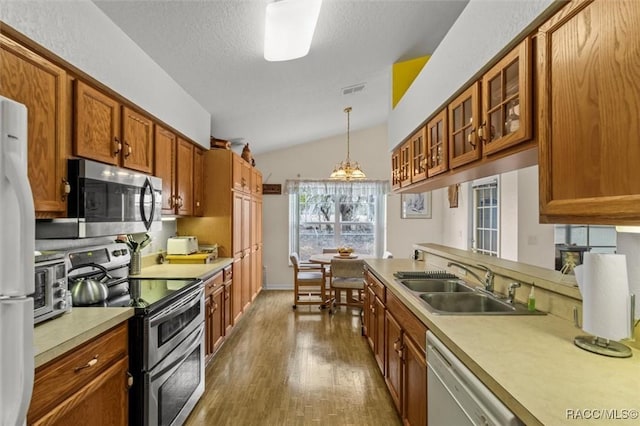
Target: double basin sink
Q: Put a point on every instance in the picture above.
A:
(449, 296)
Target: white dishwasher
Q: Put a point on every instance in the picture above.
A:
(455, 396)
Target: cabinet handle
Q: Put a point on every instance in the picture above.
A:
(471, 138)
(481, 134)
(180, 203)
(395, 344)
(171, 202)
(89, 364)
(197, 203)
(117, 146)
(129, 380)
(128, 152)
(66, 188)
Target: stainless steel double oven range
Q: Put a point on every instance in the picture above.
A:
(166, 334)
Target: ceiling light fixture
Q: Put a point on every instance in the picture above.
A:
(346, 170)
(289, 28)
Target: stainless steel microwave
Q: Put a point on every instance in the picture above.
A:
(106, 200)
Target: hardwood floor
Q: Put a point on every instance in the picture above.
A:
(294, 367)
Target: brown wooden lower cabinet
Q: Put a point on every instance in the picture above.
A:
(374, 320)
(87, 385)
(214, 323)
(227, 274)
(398, 340)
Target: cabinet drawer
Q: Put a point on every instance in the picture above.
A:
(212, 283)
(227, 273)
(411, 325)
(57, 380)
(378, 288)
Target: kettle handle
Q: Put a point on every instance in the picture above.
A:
(104, 270)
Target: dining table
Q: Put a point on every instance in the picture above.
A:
(325, 258)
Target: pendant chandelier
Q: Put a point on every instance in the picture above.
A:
(346, 170)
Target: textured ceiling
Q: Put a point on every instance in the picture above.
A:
(213, 49)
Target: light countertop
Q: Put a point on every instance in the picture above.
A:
(54, 337)
(184, 270)
(529, 362)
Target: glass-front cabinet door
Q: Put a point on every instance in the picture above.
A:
(506, 100)
(395, 169)
(437, 144)
(418, 156)
(464, 112)
(405, 163)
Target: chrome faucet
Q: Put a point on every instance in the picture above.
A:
(511, 295)
(487, 282)
(488, 277)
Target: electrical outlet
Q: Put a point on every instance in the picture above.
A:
(461, 272)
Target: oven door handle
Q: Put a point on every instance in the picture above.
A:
(177, 308)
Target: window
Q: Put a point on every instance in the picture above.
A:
(572, 241)
(327, 214)
(486, 222)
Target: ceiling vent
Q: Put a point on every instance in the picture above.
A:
(352, 90)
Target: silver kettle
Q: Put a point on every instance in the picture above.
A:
(88, 291)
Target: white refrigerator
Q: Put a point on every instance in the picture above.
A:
(17, 243)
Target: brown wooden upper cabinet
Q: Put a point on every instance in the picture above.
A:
(41, 86)
(395, 169)
(506, 100)
(198, 181)
(179, 164)
(589, 113)
(101, 134)
(405, 163)
(241, 174)
(184, 174)
(464, 118)
(165, 166)
(256, 182)
(437, 144)
(418, 151)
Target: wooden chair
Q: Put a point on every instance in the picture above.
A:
(309, 282)
(346, 274)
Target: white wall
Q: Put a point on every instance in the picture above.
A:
(535, 240)
(481, 31)
(80, 33)
(315, 160)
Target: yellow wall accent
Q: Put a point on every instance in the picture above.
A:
(403, 75)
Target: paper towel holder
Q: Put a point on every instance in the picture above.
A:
(603, 346)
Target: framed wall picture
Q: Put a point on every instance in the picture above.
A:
(415, 206)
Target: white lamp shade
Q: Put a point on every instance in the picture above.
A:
(289, 28)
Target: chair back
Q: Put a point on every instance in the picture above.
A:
(347, 268)
(329, 250)
(295, 259)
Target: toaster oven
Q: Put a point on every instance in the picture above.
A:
(51, 296)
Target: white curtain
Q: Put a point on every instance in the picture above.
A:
(368, 188)
(331, 187)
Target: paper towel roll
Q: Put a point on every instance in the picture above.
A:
(629, 245)
(605, 295)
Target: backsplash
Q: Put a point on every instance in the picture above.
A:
(158, 240)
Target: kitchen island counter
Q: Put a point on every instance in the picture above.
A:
(57, 336)
(529, 362)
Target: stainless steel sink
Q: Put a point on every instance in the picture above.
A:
(475, 303)
(435, 285)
